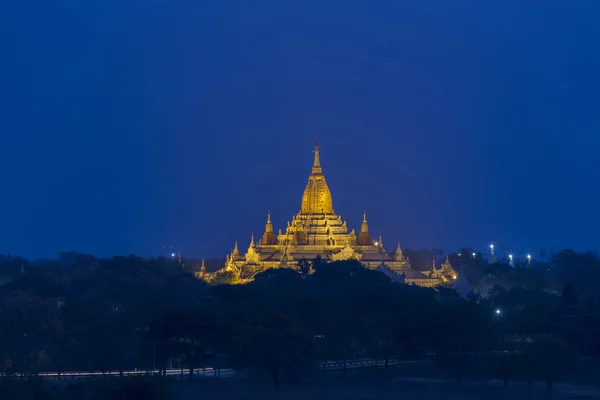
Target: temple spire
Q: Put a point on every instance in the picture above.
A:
(236, 251)
(316, 169)
(202, 266)
(269, 225)
(364, 226)
(268, 237)
(364, 237)
(399, 256)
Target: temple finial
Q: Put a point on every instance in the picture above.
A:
(269, 216)
(316, 169)
(252, 241)
(364, 227)
(236, 251)
(399, 256)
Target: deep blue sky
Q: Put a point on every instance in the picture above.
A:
(126, 124)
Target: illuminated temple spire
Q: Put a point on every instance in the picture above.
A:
(446, 263)
(434, 271)
(364, 237)
(316, 169)
(236, 251)
(317, 197)
(268, 237)
(398, 255)
(364, 227)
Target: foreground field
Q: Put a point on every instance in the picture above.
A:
(362, 388)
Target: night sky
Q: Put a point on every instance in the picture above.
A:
(127, 124)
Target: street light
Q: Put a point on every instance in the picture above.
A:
(498, 311)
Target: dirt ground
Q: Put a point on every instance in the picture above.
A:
(362, 388)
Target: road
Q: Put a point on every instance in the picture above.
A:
(210, 372)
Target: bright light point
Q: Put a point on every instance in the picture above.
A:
(454, 277)
(376, 243)
(529, 257)
(172, 254)
(492, 246)
(474, 254)
(498, 311)
(510, 256)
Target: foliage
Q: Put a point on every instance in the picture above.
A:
(225, 278)
(547, 358)
(275, 344)
(129, 312)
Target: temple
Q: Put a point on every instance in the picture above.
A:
(317, 231)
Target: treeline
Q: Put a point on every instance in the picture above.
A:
(128, 312)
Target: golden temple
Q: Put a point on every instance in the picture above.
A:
(317, 231)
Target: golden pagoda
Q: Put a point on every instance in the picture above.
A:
(317, 231)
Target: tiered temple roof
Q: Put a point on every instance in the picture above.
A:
(317, 231)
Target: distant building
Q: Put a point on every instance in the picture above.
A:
(317, 231)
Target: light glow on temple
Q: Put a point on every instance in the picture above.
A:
(318, 232)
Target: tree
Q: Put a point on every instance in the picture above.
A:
(225, 278)
(304, 268)
(188, 333)
(582, 270)
(278, 278)
(568, 297)
(547, 358)
(341, 332)
(463, 331)
(275, 344)
(506, 359)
